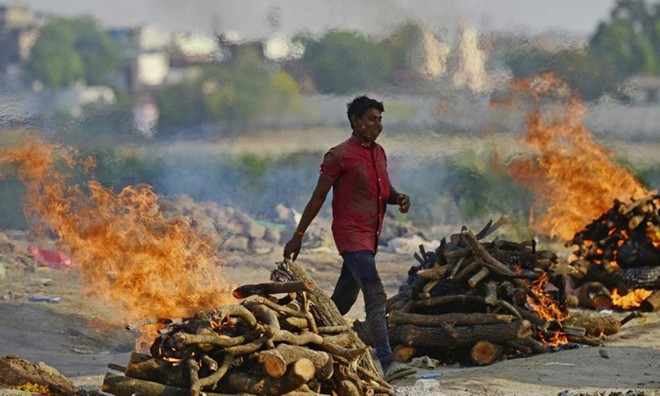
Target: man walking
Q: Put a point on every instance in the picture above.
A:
(356, 170)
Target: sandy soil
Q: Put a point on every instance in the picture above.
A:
(74, 337)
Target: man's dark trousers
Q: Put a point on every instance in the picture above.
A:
(359, 273)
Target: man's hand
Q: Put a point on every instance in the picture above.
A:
(404, 203)
(293, 247)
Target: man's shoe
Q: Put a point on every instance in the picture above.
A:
(397, 371)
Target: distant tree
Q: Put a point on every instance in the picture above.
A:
(626, 44)
(100, 54)
(234, 95)
(526, 61)
(69, 49)
(53, 58)
(629, 41)
(343, 61)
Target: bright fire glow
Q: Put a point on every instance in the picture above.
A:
(572, 176)
(633, 299)
(130, 256)
(547, 309)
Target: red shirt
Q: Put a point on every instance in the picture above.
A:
(360, 191)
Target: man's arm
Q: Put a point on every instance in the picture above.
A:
(311, 210)
(396, 198)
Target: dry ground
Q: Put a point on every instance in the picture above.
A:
(74, 337)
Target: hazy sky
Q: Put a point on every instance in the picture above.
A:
(249, 17)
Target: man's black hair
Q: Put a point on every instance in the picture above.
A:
(360, 105)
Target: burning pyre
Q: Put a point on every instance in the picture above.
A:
(617, 257)
(616, 261)
(472, 301)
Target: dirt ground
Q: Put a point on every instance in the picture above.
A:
(74, 337)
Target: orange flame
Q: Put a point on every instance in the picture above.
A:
(633, 299)
(544, 307)
(130, 256)
(572, 176)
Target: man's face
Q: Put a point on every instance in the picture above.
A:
(369, 126)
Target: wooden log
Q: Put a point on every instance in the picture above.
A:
(263, 314)
(293, 323)
(527, 345)
(373, 384)
(595, 295)
(325, 311)
(435, 302)
(253, 383)
(594, 324)
(478, 277)
(450, 336)
(276, 360)
(487, 259)
(436, 272)
(456, 319)
(119, 385)
(348, 388)
(238, 311)
(485, 352)
(490, 292)
(334, 329)
(17, 371)
(403, 353)
(652, 302)
(148, 368)
(490, 228)
(211, 381)
(640, 277)
(467, 270)
(264, 289)
(456, 267)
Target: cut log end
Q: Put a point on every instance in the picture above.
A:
(485, 352)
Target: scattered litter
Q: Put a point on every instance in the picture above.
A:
(428, 375)
(427, 385)
(48, 299)
(50, 258)
(425, 362)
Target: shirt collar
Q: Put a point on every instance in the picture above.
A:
(357, 140)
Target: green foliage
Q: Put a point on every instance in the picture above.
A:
(70, 49)
(234, 95)
(53, 59)
(527, 61)
(343, 61)
(100, 55)
(629, 41)
(117, 168)
(11, 198)
(627, 44)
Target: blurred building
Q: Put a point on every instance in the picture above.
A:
(145, 59)
(428, 56)
(18, 34)
(644, 89)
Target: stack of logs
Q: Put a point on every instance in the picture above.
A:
(263, 345)
(620, 250)
(472, 303)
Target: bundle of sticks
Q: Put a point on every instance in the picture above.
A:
(620, 250)
(264, 345)
(474, 302)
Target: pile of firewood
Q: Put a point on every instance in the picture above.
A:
(619, 250)
(263, 345)
(474, 302)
